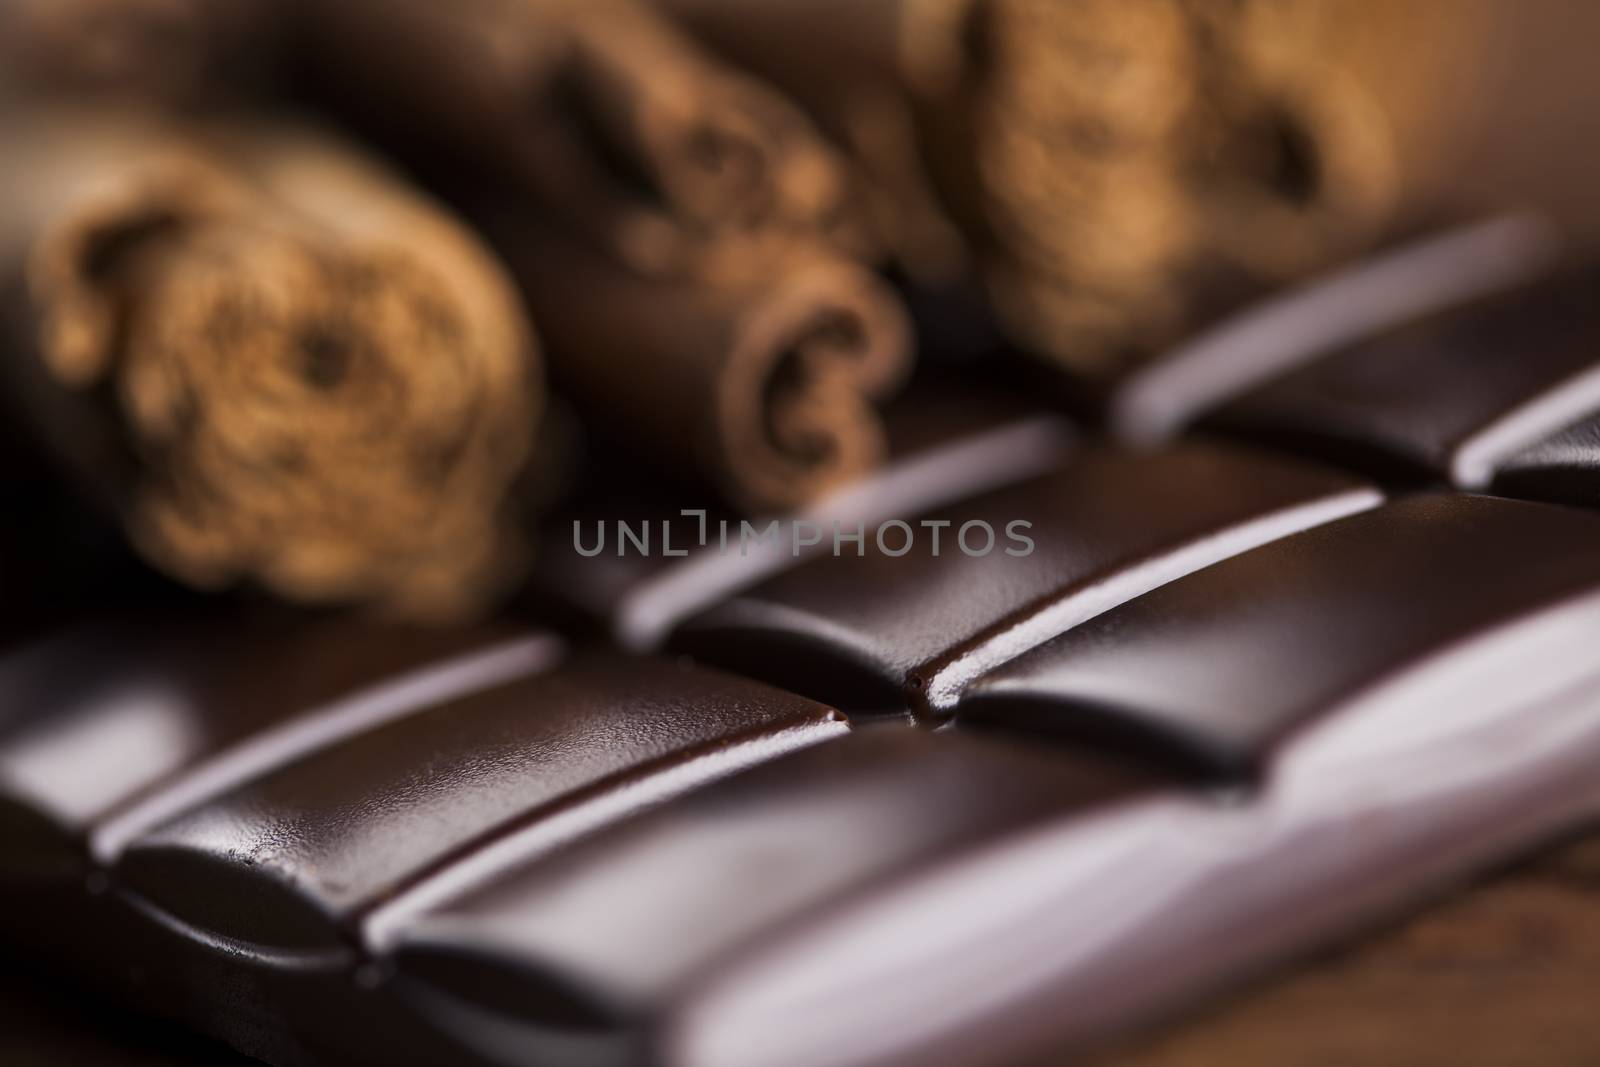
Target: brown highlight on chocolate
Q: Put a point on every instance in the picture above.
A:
(273, 361)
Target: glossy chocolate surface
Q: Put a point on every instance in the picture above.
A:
(885, 627)
(100, 720)
(285, 859)
(1450, 397)
(1223, 665)
(1047, 944)
(945, 445)
(1563, 469)
(1350, 306)
(617, 926)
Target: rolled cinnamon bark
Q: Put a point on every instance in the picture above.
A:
(267, 356)
(1089, 158)
(173, 52)
(760, 383)
(598, 110)
(1491, 102)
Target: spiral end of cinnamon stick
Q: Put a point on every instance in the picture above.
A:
(128, 49)
(748, 160)
(1122, 150)
(795, 410)
(329, 420)
(1296, 171)
(715, 154)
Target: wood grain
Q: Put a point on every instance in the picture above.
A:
(1503, 973)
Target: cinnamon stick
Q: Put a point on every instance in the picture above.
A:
(1491, 103)
(760, 383)
(597, 110)
(169, 52)
(1088, 159)
(267, 356)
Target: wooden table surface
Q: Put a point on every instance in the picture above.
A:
(1502, 974)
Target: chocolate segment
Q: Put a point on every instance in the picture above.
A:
(1424, 599)
(111, 726)
(1563, 468)
(1450, 397)
(1440, 272)
(1048, 944)
(902, 617)
(286, 860)
(613, 933)
(945, 445)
